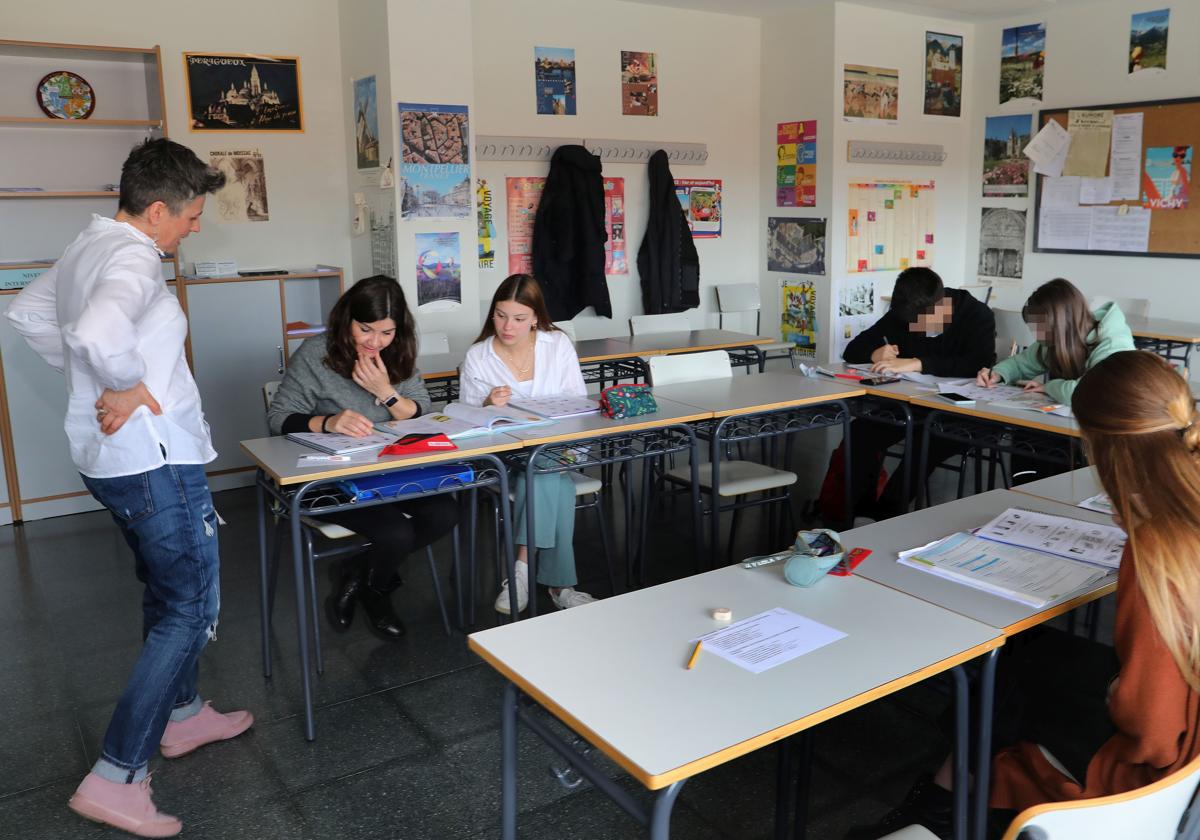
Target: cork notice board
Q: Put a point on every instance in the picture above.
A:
(1169, 122)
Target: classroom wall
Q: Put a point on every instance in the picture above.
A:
(882, 38)
(795, 60)
(365, 46)
(709, 92)
(1086, 54)
(305, 172)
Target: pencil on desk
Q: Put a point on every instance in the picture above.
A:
(695, 655)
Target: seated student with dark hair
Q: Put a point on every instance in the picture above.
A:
(928, 329)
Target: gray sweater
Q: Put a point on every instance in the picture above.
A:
(309, 387)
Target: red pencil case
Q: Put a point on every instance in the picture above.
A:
(416, 443)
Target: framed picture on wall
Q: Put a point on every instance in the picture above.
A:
(243, 92)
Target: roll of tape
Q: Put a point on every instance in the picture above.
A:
(722, 614)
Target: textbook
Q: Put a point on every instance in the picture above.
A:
(336, 444)
(557, 405)
(462, 421)
(1031, 557)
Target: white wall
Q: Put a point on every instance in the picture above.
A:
(881, 38)
(306, 178)
(1086, 49)
(797, 55)
(709, 93)
(365, 52)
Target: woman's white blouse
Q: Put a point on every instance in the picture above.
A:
(555, 370)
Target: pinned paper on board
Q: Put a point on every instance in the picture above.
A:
(1090, 133)
(1048, 149)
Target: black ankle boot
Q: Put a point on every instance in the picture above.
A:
(376, 600)
(926, 804)
(339, 606)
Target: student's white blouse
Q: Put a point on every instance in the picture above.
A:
(555, 370)
(103, 315)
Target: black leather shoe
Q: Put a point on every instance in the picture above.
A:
(339, 606)
(376, 601)
(926, 804)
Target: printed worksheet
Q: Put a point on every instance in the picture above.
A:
(768, 639)
(1100, 545)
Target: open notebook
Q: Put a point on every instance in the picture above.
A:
(1035, 558)
(462, 421)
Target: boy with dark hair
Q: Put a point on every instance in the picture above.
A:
(928, 329)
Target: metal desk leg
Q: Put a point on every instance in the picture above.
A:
(983, 761)
(923, 463)
(660, 817)
(531, 549)
(848, 501)
(263, 605)
(508, 762)
(906, 461)
(783, 788)
(714, 493)
(697, 510)
(310, 732)
(804, 742)
(506, 534)
(962, 702)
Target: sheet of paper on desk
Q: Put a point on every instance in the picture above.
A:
(771, 638)
(909, 376)
(1100, 545)
(1099, 503)
(971, 391)
(1021, 574)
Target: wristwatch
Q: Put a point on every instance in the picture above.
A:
(389, 402)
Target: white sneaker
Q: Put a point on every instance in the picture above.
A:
(502, 600)
(568, 597)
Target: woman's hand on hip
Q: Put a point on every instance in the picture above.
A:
(115, 407)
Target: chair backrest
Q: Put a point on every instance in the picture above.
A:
(269, 389)
(1011, 327)
(1150, 813)
(1135, 307)
(432, 343)
(689, 367)
(568, 328)
(739, 297)
(667, 322)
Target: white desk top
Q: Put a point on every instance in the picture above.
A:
(439, 365)
(1070, 488)
(597, 425)
(665, 343)
(1011, 416)
(599, 349)
(888, 538)
(740, 394)
(614, 671)
(277, 457)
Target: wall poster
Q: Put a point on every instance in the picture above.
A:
(439, 272)
(890, 225)
(796, 164)
(435, 161)
(701, 202)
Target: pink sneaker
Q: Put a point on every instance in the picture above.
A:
(127, 807)
(204, 727)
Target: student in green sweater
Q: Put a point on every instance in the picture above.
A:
(1071, 339)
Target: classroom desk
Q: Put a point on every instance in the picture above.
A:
(614, 673)
(593, 440)
(888, 538)
(756, 408)
(439, 372)
(694, 341)
(1070, 488)
(305, 491)
(1173, 340)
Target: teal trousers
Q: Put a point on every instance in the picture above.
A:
(554, 509)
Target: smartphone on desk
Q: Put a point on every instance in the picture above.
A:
(957, 399)
(882, 379)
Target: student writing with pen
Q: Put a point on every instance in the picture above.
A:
(520, 352)
(933, 330)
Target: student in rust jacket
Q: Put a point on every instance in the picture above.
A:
(1077, 719)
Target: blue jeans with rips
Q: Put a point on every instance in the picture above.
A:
(167, 518)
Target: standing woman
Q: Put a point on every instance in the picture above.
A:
(360, 372)
(104, 316)
(1070, 338)
(520, 351)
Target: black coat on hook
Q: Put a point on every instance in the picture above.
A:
(569, 236)
(667, 260)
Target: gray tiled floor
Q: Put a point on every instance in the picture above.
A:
(408, 733)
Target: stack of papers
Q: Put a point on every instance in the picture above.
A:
(1030, 557)
(457, 420)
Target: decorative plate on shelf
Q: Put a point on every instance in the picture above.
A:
(66, 96)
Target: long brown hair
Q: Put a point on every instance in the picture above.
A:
(1142, 432)
(367, 301)
(523, 289)
(1062, 312)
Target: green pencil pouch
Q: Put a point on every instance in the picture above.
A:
(814, 554)
(618, 401)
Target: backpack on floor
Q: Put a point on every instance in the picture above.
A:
(831, 504)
